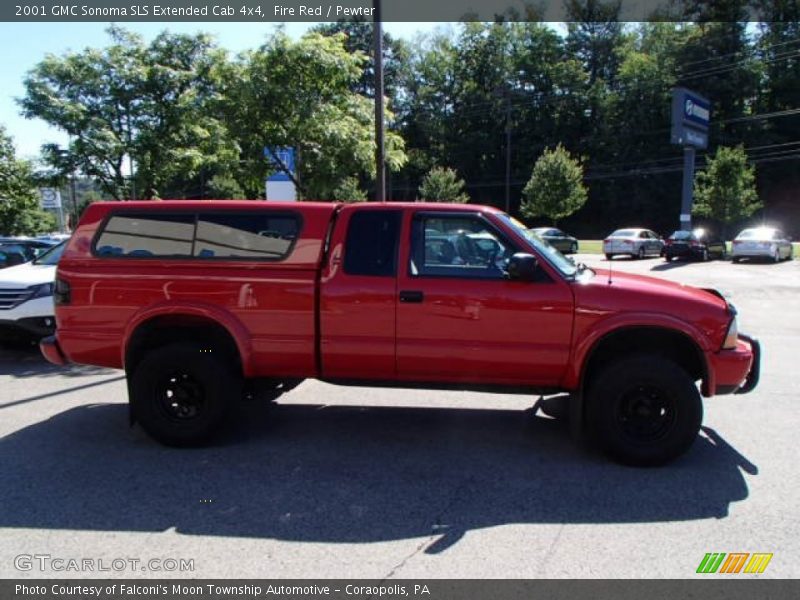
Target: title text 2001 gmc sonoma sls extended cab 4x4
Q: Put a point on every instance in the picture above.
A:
(193, 298)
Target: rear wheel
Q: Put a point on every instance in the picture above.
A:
(704, 255)
(573, 249)
(180, 393)
(609, 256)
(640, 253)
(644, 411)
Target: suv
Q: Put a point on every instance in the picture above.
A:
(194, 298)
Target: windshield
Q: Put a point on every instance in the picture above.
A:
(51, 256)
(545, 250)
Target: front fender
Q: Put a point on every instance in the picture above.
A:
(586, 340)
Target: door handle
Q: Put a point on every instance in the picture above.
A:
(409, 296)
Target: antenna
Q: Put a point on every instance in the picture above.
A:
(610, 263)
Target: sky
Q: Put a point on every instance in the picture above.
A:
(22, 45)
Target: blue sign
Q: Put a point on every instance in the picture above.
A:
(286, 157)
(696, 110)
(691, 115)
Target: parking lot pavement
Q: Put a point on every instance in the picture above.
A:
(339, 482)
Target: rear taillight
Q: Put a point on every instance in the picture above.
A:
(695, 244)
(668, 242)
(61, 292)
(606, 241)
(736, 242)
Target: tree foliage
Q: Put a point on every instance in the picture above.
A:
(146, 105)
(726, 190)
(555, 189)
(349, 190)
(442, 185)
(19, 197)
(297, 94)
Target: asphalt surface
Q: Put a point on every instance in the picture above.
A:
(340, 482)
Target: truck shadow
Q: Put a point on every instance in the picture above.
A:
(346, 474)
(23, 360)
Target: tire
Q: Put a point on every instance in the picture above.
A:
(704, 256)
(207, 383)
(776, 258)
(609, 256)
(668, 257)
(573, 249)
(735, 259)
(621, 405)
(640, 253)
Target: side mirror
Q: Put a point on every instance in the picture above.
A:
(522, 267)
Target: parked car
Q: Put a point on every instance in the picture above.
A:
(699, 244)
(762, 242)
(26, 297)
(563, 242)
(22, 250)
(191, 299)
(634, 242)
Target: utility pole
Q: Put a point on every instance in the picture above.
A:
(508, 153)
(380, 161)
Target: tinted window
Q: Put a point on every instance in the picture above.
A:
(245, 235)
(682, 235)
(474, 249)
(371, 246)
(147, 235)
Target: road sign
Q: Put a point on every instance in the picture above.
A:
(50, 198)
(286, 158)
(691, 115)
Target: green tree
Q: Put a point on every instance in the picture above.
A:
(297, 94)
(131, 104)
(555, 189)
(349, 190)
(726, 190)
(19, 198)
(442, 185)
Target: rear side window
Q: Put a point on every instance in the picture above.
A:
(371, 246)
(224, 235)
(158, 234)
(242, 235)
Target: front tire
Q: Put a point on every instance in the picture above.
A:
(181, 393)
(644, 411)
(640, 253)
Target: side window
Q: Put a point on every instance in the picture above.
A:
(261, 236)
(145, 235)
(371, 245)
(457, 246)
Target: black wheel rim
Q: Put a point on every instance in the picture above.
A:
(180, 397)
(645, 413)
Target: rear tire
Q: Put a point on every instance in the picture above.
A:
(643, 411)
(640, 253)
(573, 249)
(181, 393)
(609, 256)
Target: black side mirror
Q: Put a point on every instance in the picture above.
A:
(522, 267)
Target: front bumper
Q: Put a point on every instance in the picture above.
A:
(737, 371)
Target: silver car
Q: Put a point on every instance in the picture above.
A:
(636, 243)
(762, 242)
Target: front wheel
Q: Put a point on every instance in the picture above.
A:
(180, 393)
(644, 411)
(640, 253)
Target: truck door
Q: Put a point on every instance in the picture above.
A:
(358, 291)
(460, 319)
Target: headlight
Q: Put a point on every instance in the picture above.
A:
(42, 290)
(732, 336)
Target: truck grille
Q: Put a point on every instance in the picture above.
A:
(11, 297)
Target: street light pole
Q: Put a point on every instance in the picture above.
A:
(380, 161)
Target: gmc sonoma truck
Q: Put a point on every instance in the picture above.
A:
(193, 299)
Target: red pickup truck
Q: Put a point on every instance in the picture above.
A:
(193, 299)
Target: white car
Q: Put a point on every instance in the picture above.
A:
(636, 243)
(26, 297)
(762, 242)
